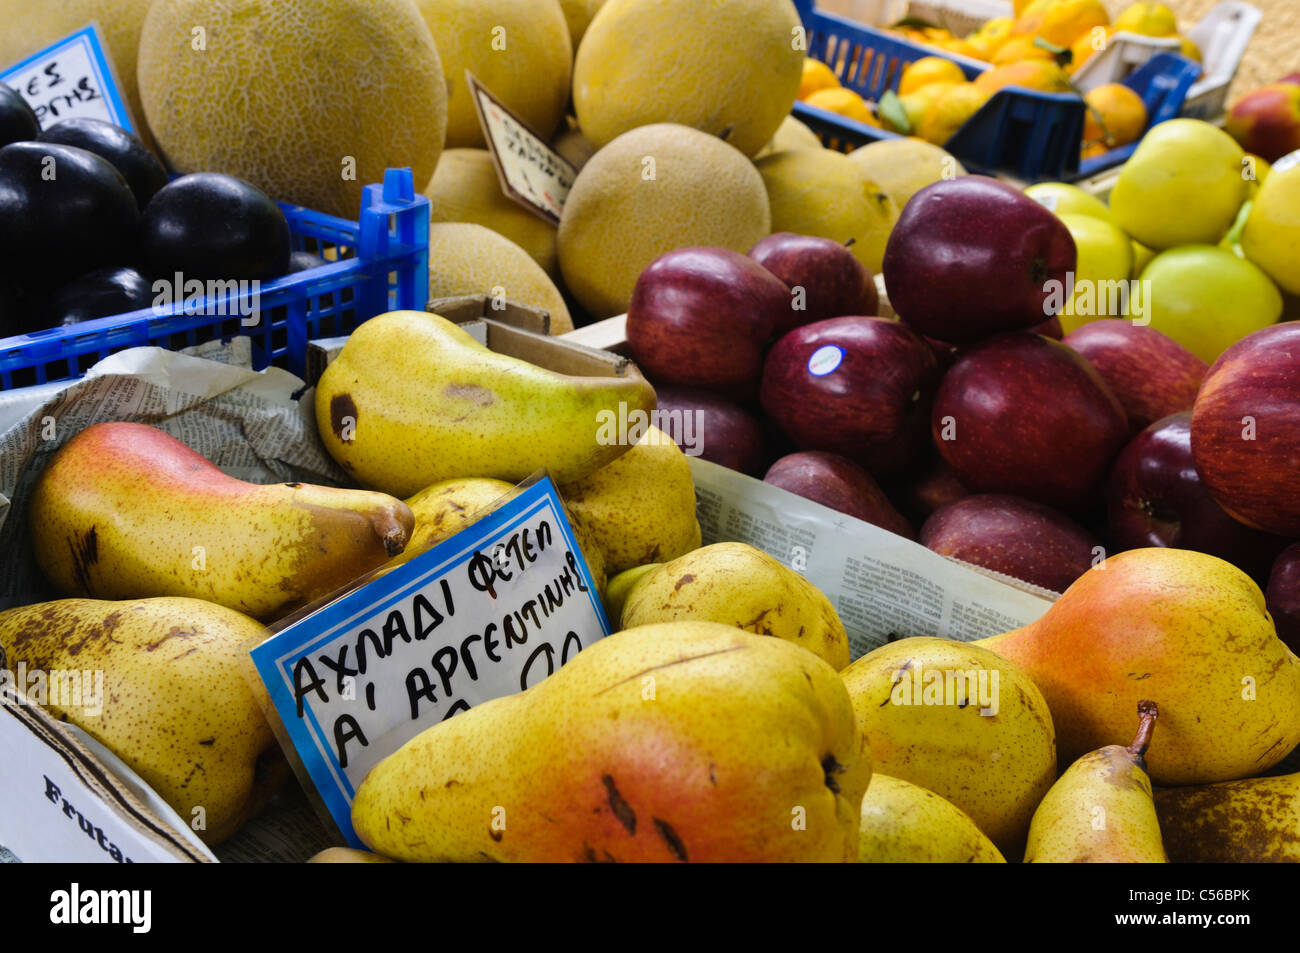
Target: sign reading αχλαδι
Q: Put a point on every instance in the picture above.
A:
(488, 612)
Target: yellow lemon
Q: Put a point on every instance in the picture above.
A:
(927, 70)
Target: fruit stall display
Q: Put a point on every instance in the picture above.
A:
(1088, 392)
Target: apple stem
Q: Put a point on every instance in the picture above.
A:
(1147, 714)
(850, 243)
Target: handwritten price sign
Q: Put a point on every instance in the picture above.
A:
(72, 78)
(489, 612)
(531, 172)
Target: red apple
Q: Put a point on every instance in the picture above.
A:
(1246, 430)
(1015, 536)
(838, 482)
(971, 257)
(1155, 497)
(701, 317)
(824, 278)
(712, 428)
(1051, 328)
(860, 387)
(1152, 374)
(1025, 415)
(1266, 121)
(1283, 596)
(923, 490)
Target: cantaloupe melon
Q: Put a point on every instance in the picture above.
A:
(519, 49)
(822, 192)
(468, 259)
(32, 25)
(465, 188)
(309, 101)
(651, 190)
(717, 65)
(791, 134)
(902, 166)
(572, 144)
(579, 14)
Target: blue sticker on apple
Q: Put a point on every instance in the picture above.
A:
(825, 359)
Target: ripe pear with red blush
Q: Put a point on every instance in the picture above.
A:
(1183, 629)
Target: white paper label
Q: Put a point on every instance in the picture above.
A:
(825, 359)
(489, 612)
(49, 814)
(531, 172)
(72, 78)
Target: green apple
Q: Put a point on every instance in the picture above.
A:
(1061, 198)
(1141, 258)
(1271, 238)
(1206, 298)
(1105, 263)
(1182, 186)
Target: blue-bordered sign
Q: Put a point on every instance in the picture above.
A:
(489, 612)
(74, 77)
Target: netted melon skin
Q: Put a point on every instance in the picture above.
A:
(309, 101)
(652, 190)
(465, 188)
(716, 65)
(468, 259)
(519, 49)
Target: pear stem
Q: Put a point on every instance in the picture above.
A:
(1147, 714)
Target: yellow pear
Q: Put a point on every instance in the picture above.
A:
(412, 399)
(1252, 821)
(903, 823)
(447, 507)
(616, 591)
(125, 511)
(654, 744)
(171, 699)
(640, 507)
(1183, 629)
(347, 855)
(1100, 810)
(739, 585)
(961, 722)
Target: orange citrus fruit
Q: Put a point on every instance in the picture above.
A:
(1041, 75)
(816, 76)
(845, 102)
(950, 111)
(927, 70)
(1116, 115)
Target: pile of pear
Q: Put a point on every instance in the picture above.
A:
(1134, 722)
(172, 568)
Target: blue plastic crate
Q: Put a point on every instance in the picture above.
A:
(381, 263)
(1021, 132)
